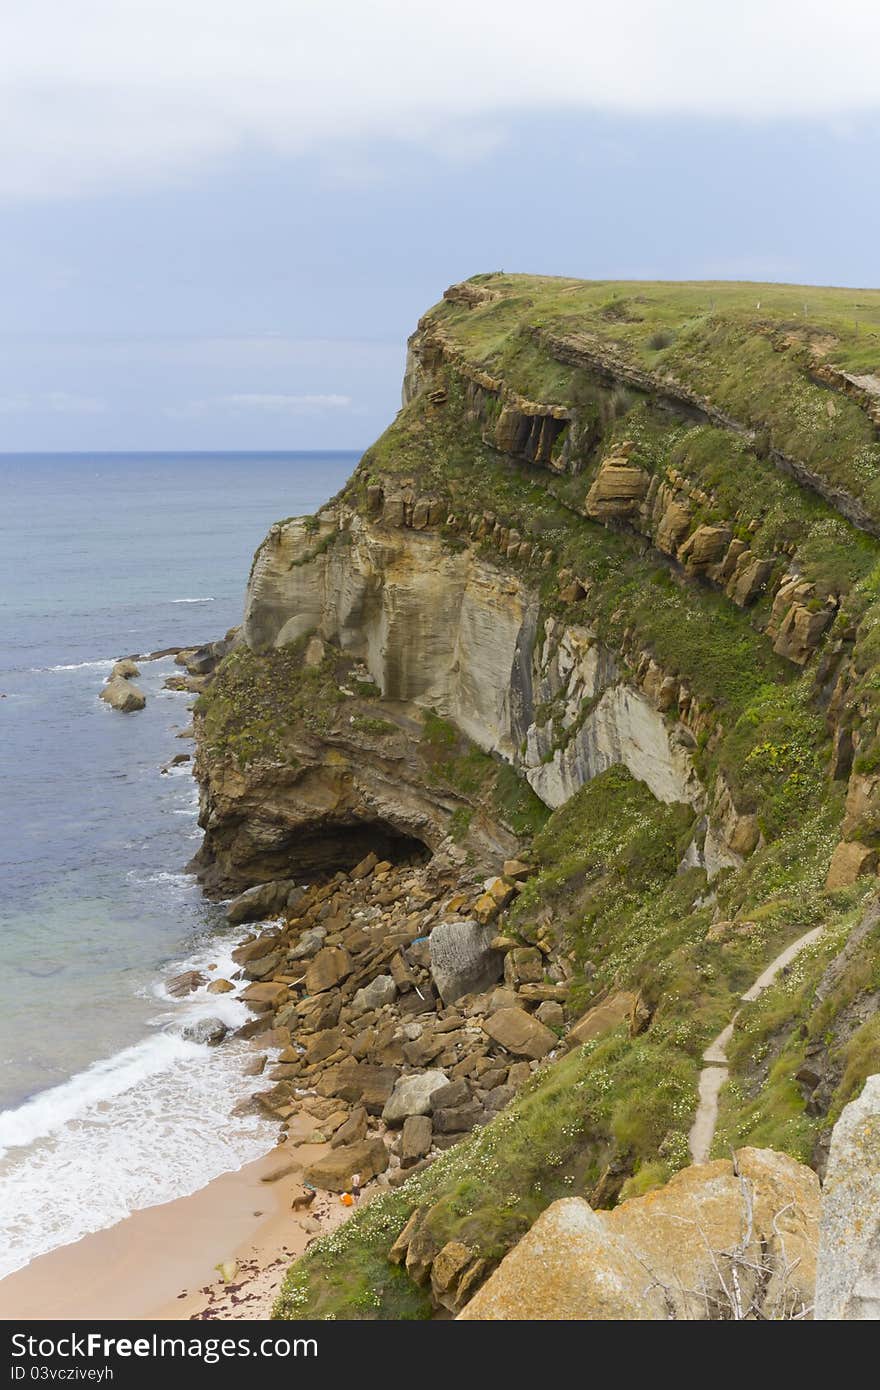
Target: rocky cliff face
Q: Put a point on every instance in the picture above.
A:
(455, 633)
(602, 599)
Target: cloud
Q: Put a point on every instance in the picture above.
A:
(264, 402)
(293, 405)
(53, 402)
(101, 93)
(65, 403)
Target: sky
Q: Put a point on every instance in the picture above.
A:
(221, 219)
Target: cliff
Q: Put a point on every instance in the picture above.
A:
(604, 598)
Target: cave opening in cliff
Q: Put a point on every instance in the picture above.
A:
(330, 848)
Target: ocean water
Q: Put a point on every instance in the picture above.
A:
(104, 1107)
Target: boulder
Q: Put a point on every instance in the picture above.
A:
(257, 946)
(257, 903)
(121, 695)
(460, 1119)
(848, 1273)
(850, 861)
(412, 1095)
(126, 668)
(335, 1170)
(523, 965)
(221, 987)
(520, 1033)
(455, 1093)
(268, 995)
(517, 869)
(206, 1030)
(671, 1253)
(262, 967)
(568, 1268)
(309, 944)
(181, 985)
(679, 1230)
(380, 991)
(617, 491)
(551, 1014)
(602, 1017)
(415, 1140)
(328, 968)
(352, 1130)
(462, 959)
(704, 546)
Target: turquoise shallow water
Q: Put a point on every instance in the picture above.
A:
(99, 557)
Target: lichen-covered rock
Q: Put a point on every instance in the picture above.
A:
(848, 1276)
(670, 1253)
(568, 1267)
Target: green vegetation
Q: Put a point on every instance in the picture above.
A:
(452, 760)
(752, 349)
(689, 630)
(612, 896)
(608, 885)
(257, 699)
(763, 1103)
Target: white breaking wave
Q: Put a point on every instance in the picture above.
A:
(210, 599)
(51, 1110)
(103, 665)
(152, 1123)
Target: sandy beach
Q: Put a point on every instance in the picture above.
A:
(160, 1263)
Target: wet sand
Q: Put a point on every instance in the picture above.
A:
(160, 1263)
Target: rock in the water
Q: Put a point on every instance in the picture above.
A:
(181, 985)
(121, 695)
(848, 1274)
(463, 960)
(412, 1095)
(263, 900)
(336, 1170)
(520, 1033)
(126, 668)
(380, 991)
(206, 1030)
(220, 987)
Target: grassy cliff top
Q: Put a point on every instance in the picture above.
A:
(655, 320)
(795, 370)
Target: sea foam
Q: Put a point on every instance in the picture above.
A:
(149, 1124)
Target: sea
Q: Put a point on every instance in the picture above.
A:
(105, 1107)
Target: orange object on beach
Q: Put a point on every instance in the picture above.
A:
(347, 1200)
